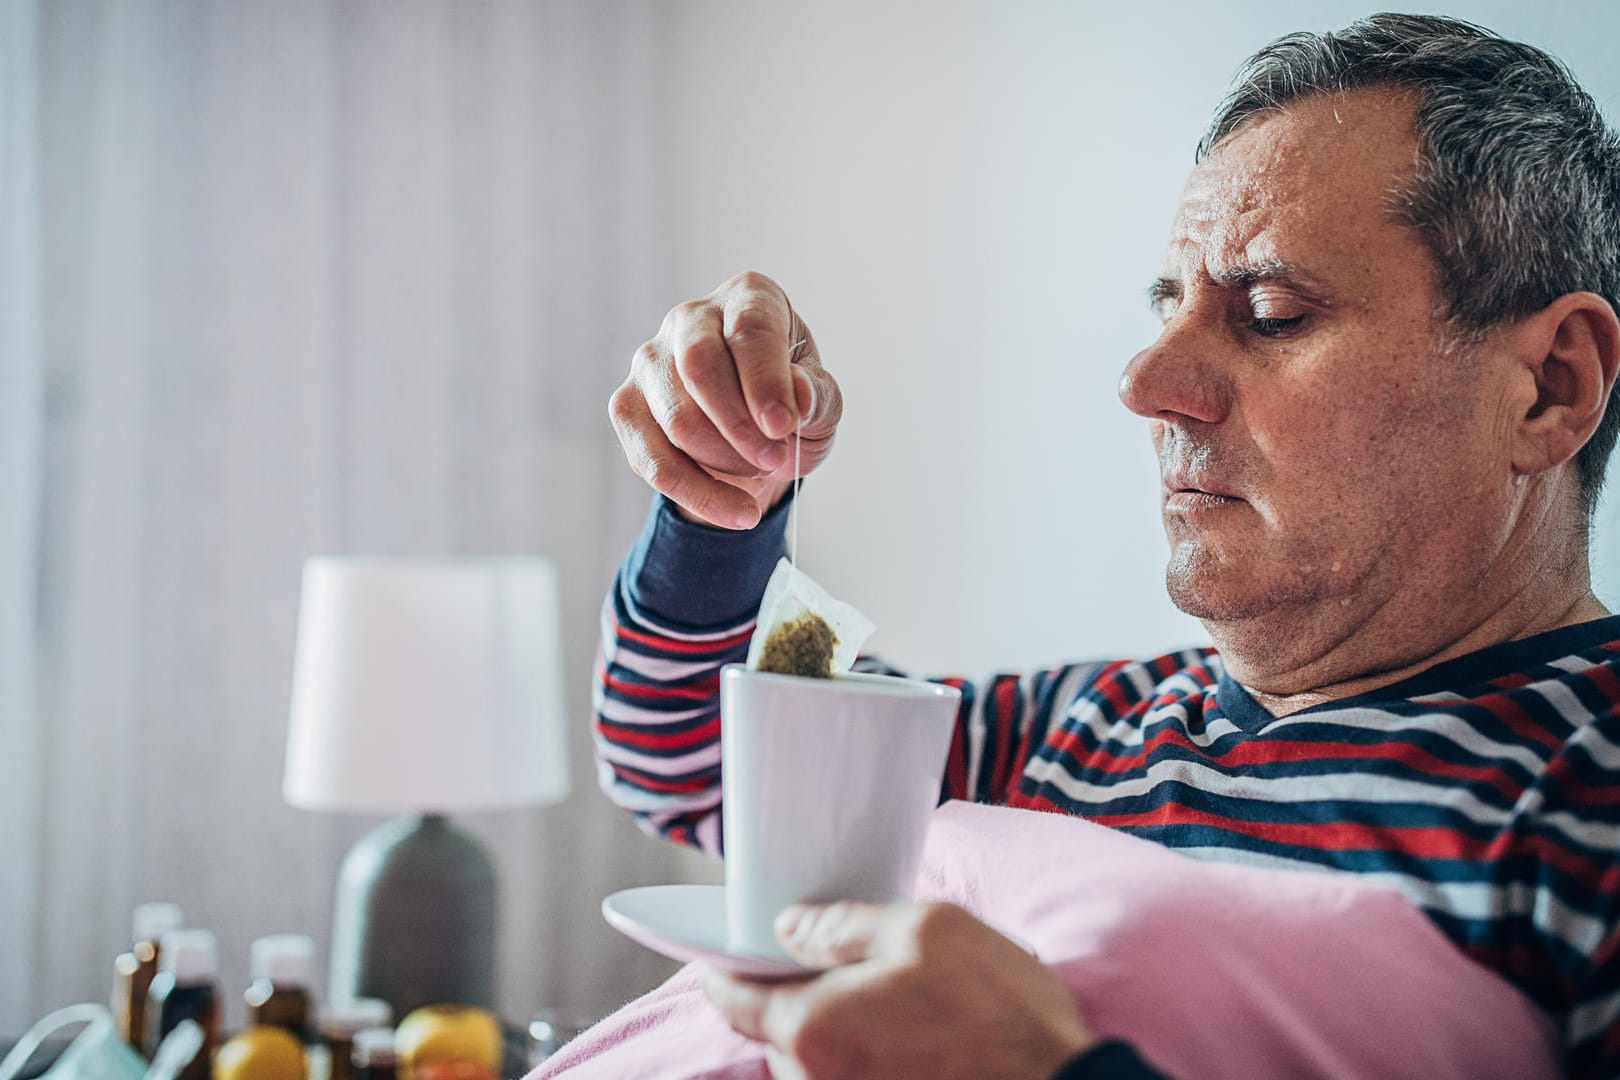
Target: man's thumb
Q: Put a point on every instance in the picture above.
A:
(828, 935)
(817, 397)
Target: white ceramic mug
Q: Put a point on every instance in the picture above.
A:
(828, 785)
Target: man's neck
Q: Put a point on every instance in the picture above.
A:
(1510, 623)
(1421, 610)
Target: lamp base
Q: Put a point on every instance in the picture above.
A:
(414, 920)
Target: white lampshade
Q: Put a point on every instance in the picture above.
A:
(429, 685)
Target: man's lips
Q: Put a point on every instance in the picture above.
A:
(1185, 494)
(1193, 500)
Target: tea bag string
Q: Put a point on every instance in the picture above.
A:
(793, 542)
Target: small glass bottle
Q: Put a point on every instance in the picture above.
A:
(374, 1054)
(340, 1021)
(133, 971)
(183, 989)
(280, 995)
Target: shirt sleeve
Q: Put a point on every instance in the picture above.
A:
(1111, 1059)
(683, 604)
(1587, 914)
(1592, 1028)
(1572, 840)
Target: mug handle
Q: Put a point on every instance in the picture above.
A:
(176, 1050)
(32, 1039)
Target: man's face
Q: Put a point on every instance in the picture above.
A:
(1326, 460)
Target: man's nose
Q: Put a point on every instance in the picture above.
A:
(1176, 378)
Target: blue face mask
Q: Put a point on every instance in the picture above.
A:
(98, 1053)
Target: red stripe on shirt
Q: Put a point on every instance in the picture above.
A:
(658, 641)
(703, 690)
(956, 770)
(652, 740)
(1428, 841)
(1275, 751)
(656, 783)
(1005, 690)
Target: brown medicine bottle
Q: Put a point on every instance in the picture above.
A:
(133, 971)
(374, 1057)
(183, 989)
(341, 1020)
(281, 965)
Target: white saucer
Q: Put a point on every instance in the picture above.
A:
(688, 922)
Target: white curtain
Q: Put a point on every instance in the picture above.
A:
(313, 278)
(21, 363)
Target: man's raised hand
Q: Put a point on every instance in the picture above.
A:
(708, 412)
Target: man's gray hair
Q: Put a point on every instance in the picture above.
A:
(1516, 190)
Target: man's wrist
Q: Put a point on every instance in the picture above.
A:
(694, 576)
(770, 497)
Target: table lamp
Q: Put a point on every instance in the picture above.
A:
(423, 687)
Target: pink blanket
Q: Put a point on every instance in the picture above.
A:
(1210, 970)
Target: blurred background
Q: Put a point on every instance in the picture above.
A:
(295, 278)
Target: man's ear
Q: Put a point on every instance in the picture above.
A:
(1572, 349)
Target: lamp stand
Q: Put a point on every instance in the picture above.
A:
(414, 919)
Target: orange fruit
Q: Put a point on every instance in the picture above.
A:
(261, 1053)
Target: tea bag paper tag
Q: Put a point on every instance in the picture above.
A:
(790, 593)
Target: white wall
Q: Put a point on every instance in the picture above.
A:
(965, 201)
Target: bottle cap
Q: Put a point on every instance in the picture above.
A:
(356, 1014)
(152, 921)
(373, 1046)
(284, 959)
(190, 955)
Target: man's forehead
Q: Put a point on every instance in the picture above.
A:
(1226, 222)
(1315, 174)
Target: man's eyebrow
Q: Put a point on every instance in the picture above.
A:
(1241, 275)
(1236, 276)
(1162, 289)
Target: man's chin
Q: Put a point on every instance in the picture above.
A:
(1252, 594)
(1223, 595)
(1199, 603)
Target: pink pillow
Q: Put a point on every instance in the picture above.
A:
(1210, 970)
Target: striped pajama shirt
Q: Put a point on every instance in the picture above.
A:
(1487, 789)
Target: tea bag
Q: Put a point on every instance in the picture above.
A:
(803, 629)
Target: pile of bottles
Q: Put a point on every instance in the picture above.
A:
(171, 975)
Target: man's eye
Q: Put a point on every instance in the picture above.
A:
(1275, 327)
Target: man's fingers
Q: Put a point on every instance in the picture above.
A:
(712, 377)
(756, 325)
(765, 1012)
(782, 1066)
(741, 1003)
(830, 935)
(688, 425)
(671, 472)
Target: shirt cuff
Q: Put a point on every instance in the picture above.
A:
(1111, 1059)
(691, 576)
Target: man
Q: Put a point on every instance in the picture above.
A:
(1378, 400)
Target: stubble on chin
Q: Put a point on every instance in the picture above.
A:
(1250, 591)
